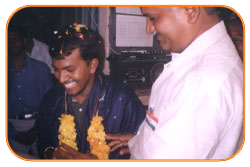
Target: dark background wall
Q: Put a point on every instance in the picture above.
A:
(42, 19)
(46, 19)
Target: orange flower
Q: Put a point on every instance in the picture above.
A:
(96, 138)
(67, 131)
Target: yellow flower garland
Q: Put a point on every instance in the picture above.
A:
(67, 131)
(96, 138)
(96, 135)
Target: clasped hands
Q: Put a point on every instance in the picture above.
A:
(119, 140)
(66, 152)
(116, 141)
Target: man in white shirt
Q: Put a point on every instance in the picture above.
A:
(37, 49)
(196, 105)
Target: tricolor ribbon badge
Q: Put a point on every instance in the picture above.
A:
(151, 120)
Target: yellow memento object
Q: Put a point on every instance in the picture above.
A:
(96, 138)
(67, 131)
(79, 26)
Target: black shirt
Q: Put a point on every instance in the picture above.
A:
(78, 110)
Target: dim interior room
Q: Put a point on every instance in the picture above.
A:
(129, 55)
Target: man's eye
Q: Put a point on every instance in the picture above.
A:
(152, 19)
(70, 70)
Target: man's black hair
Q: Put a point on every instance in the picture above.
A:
(73, 36)
(211, 10)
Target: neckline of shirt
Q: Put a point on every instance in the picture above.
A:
(200, 44)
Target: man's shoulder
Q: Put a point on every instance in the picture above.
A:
(116, 86)
(38, 64)
(117, 90)
(213, 72)
(40, 43)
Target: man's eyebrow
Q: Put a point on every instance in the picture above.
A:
(64, 68)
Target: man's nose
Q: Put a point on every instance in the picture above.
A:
(62, 77)
(150, 29)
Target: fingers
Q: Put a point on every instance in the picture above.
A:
(119, 140)
(59, 153)
(112, 136)
(91, 156)
(125, 151)
(67, 152)
(113, 143)
(117, 146)
(125, 137)
(67, 148)
(64, 152)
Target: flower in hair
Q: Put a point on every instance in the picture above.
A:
(67, 32)
(80, 35)
(78, 27)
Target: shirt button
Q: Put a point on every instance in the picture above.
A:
(19, 98)
(19, 86)
(80, 109)
(17, 74)
(115, 117)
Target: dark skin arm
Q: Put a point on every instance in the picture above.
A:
(119, 140)
(66, 152)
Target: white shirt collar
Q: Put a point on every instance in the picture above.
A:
(200, 44)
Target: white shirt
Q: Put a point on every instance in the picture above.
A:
(40, 51)
(198, 103)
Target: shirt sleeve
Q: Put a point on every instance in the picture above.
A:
(134, 114)
(12, 133)
(44, 52)
(192, 126)
(193, 131)
(43, 124)
(48, 59)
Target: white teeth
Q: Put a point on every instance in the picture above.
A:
(69, 85)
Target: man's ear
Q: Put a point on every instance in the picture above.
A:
(93, 65)
(192, 13)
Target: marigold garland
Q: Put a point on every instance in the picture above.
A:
(96, 138)
(67, 131)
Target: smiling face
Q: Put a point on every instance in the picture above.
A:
(75, 74)
(176, 27)
(169, 24)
